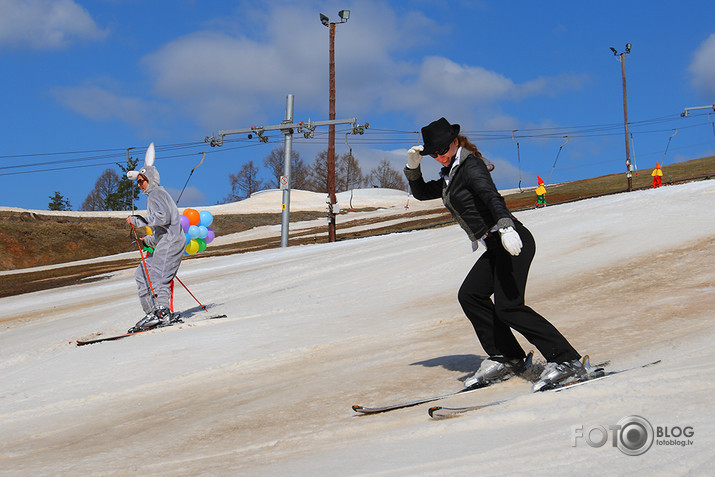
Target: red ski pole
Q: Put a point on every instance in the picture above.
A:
(192, 295)
(141, 254)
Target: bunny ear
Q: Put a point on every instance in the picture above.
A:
(149, 157)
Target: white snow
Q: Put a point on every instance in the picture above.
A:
(314, 329)
(270, 201)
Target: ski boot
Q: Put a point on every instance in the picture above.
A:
(146, 323)
(557, 374)
(498, 369)
(161, 316)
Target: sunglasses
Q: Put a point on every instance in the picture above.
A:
(441, 153)
(140, 180)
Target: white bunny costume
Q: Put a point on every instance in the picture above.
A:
(167, 239)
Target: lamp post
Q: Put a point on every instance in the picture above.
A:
(344, 15)
(629, 169)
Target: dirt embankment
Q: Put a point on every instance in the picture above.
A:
(30, 239)
(36, 240)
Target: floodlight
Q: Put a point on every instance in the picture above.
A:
(344, 15)
(628, 47)
(324, 20)
(614, 51)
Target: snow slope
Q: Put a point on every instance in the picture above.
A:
(315, 329)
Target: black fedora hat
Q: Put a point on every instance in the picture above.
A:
(438, 135)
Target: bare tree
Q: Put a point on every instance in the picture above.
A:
(318, 176)
(299, 172)
(245, 183)
(100, 197)
(348, 174)
(387, 177)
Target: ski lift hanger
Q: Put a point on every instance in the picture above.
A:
(518, 157)
(557, 158)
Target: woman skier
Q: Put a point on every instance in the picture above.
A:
(467, 190)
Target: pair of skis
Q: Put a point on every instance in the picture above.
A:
(415, 402)
(125, 335)
(442, 412)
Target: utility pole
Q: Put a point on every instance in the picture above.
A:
(344, 15)
(629, 168)
(285, 180)
(287, 127)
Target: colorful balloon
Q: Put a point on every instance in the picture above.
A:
(205, 218)
(193, 216)
(193, 247)
(196, 229)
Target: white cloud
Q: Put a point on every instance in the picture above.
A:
(191, 196)
(99, 103)
(237, 74)
(466, 91)
(220, 79)
(223, 79)
(45, 24)
(702, 68)
(440, 84)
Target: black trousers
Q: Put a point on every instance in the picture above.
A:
(500, 274)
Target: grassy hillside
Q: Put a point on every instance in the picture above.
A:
(614, 183)
(29, 239)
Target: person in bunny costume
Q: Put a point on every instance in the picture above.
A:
(167, 240)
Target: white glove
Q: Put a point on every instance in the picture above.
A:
(510, 240)
(414, 157)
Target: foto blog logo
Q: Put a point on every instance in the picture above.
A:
(632, 435)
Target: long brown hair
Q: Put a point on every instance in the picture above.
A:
(467, 144)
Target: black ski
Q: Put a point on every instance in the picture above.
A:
(117, 337)
(415, 402)
(440, 412)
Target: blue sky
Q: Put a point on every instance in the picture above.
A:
(85, 80)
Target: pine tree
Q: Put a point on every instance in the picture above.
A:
(58, 202)
(126, 192)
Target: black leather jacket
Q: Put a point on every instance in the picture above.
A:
(471, 196)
